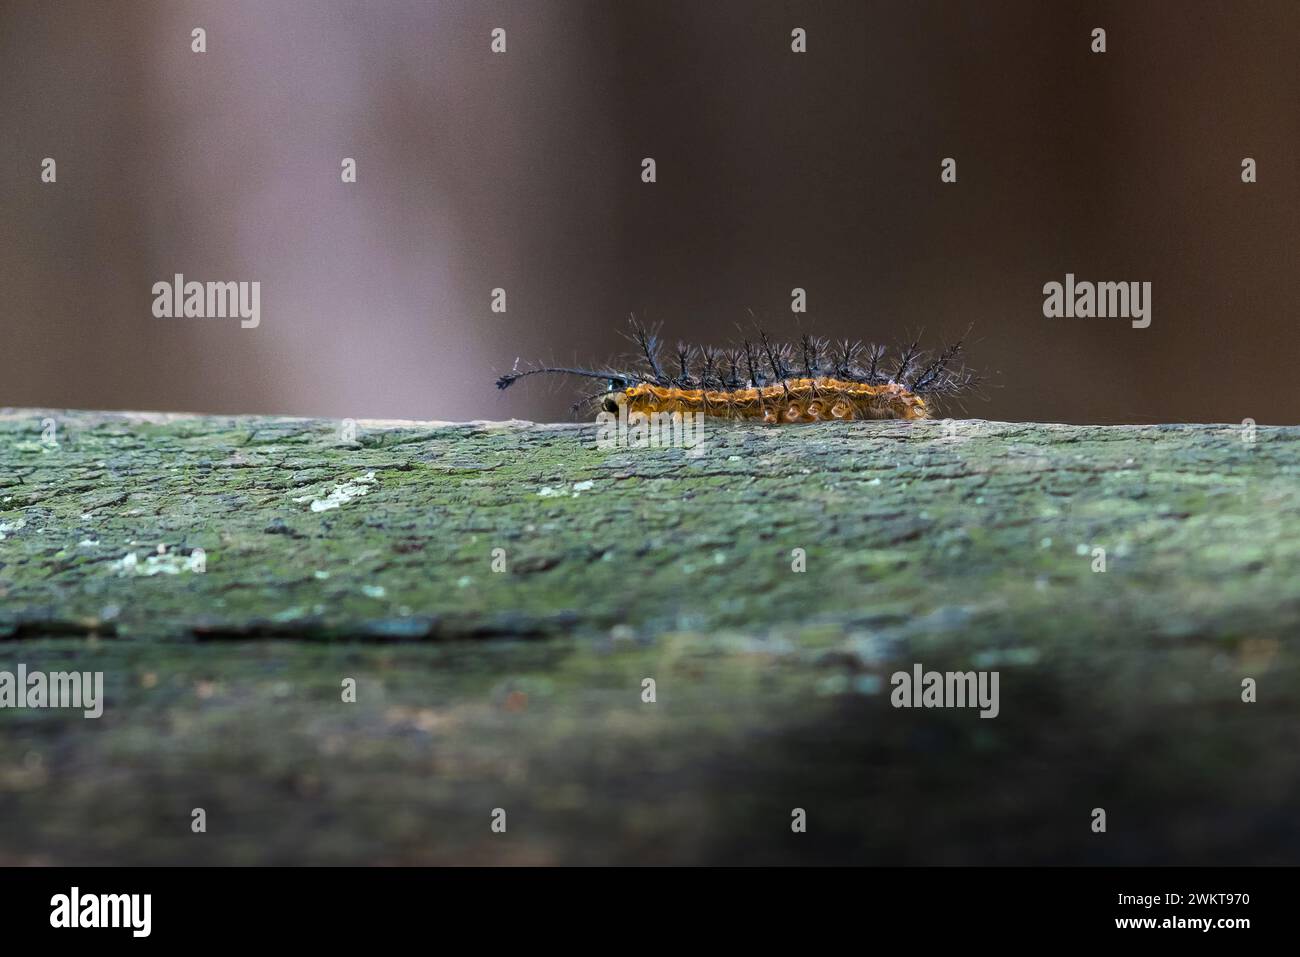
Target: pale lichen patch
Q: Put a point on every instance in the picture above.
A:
(7, 527)
(166, 562)
(341, 494)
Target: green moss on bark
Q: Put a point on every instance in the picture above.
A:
(1120, 688)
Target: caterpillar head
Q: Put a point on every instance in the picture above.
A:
(613, 396)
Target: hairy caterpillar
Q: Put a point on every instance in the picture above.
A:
(813, 381)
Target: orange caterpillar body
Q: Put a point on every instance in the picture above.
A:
(797, 400)
(814, 381)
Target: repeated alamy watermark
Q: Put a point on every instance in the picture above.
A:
(55, 689)
(1098, 300)
(650, 430)
(128, 911)
(179, 299)
(946, 689)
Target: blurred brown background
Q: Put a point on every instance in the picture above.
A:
(522, 171)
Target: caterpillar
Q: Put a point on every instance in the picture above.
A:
(777, 383)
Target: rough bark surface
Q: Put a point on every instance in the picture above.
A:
(324, 560)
